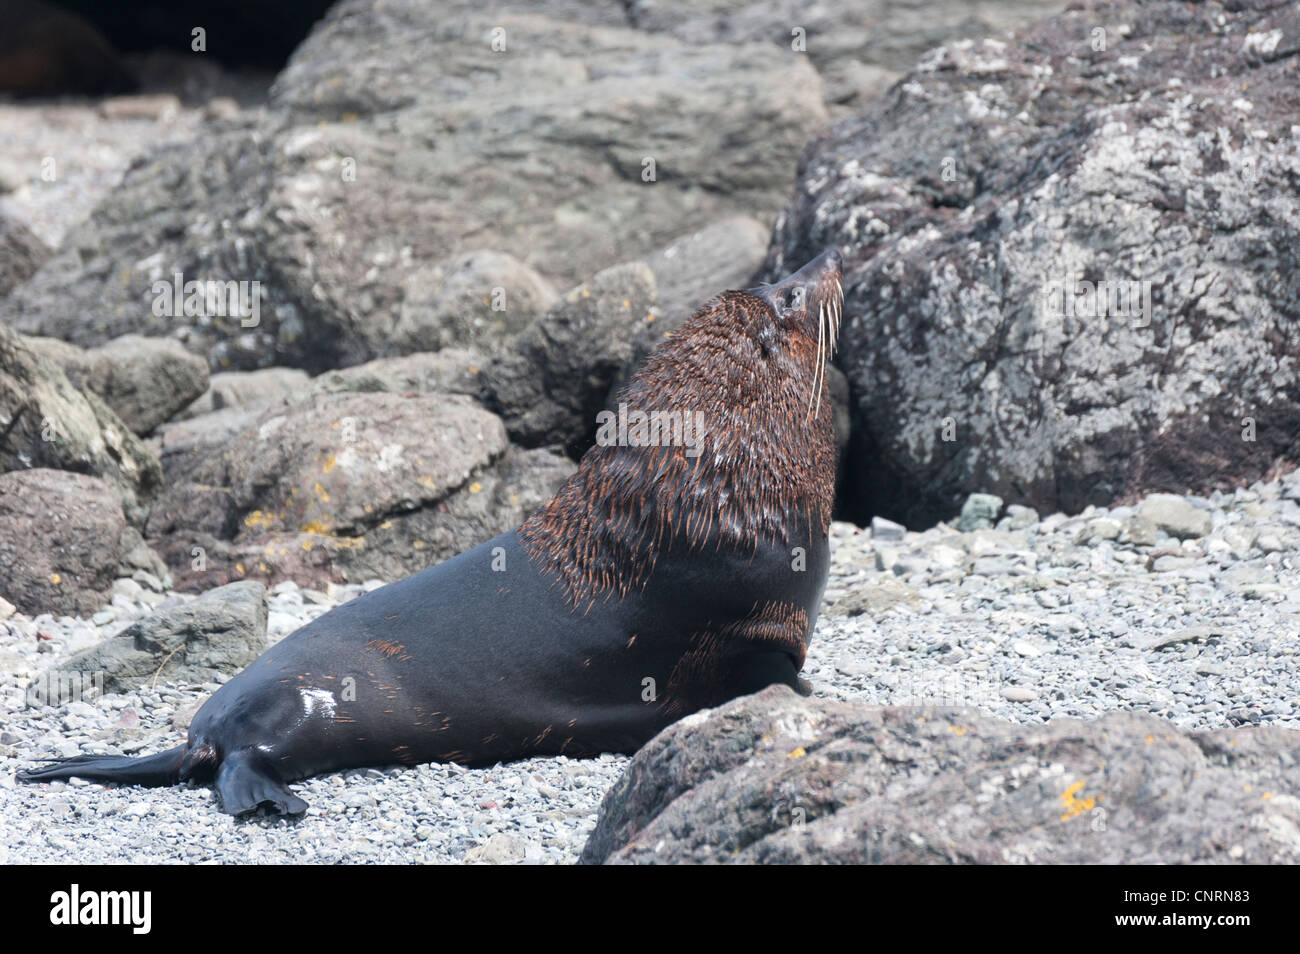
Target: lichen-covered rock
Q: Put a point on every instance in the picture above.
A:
(1067, 261)
(341, 484)
(776, 778)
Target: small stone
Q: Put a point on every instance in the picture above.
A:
(979, 512)
(947, 556)
(155, 106)
(221, 108)
(1269, 542)
(1102, 528)
(882, 529)
(497, 850)
(1139, 531)
(145, 578)
(1019, 694)
(1026, 649)
(7, 609)
(1186, 635)
(1175, 516)
(911, 563)
(1019, 517)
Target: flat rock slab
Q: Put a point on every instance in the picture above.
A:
(221, 631)
(778, 778)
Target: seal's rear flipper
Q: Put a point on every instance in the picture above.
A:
(151, 770)
(245, 783)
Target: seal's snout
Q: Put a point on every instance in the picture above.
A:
(817, 286)
(821, 276)
(812, 301)
(828, 262)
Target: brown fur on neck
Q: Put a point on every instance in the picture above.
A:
(765, 466)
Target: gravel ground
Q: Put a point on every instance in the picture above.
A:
(1188, 608)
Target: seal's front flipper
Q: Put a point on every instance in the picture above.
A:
(245, 783)
(759, 670)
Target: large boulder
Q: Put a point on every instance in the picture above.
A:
(482, 298)
(48, 423)
(186, 642)
(403, 136)
(860, 47)
(449, 371)
(227, 389)
(552, 381)
(777, 778)
(982, 202)
(144, 380)
(60, 541)
(341, 485)
(704, 263)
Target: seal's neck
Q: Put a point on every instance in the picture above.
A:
(760, 471)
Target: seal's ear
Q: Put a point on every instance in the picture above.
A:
(790, 304)
(767, 337)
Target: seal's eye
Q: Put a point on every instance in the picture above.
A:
(795, 300)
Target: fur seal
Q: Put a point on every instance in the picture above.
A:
(660, 579)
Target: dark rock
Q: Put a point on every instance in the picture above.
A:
(995, 168)
(60, 541)
(138, 557)
(144, 380)
(21, 253)
(46, 51)
(397, 141)
(246, 33)
(777, 778)
(551, 383)
(221, 631)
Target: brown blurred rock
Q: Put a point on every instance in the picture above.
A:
(60, 541)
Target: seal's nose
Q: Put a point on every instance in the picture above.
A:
(828, 264)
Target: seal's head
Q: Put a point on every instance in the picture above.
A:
(810, 303)
(747, 372)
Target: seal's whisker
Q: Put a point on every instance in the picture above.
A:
(819, 370)
(810, 392)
